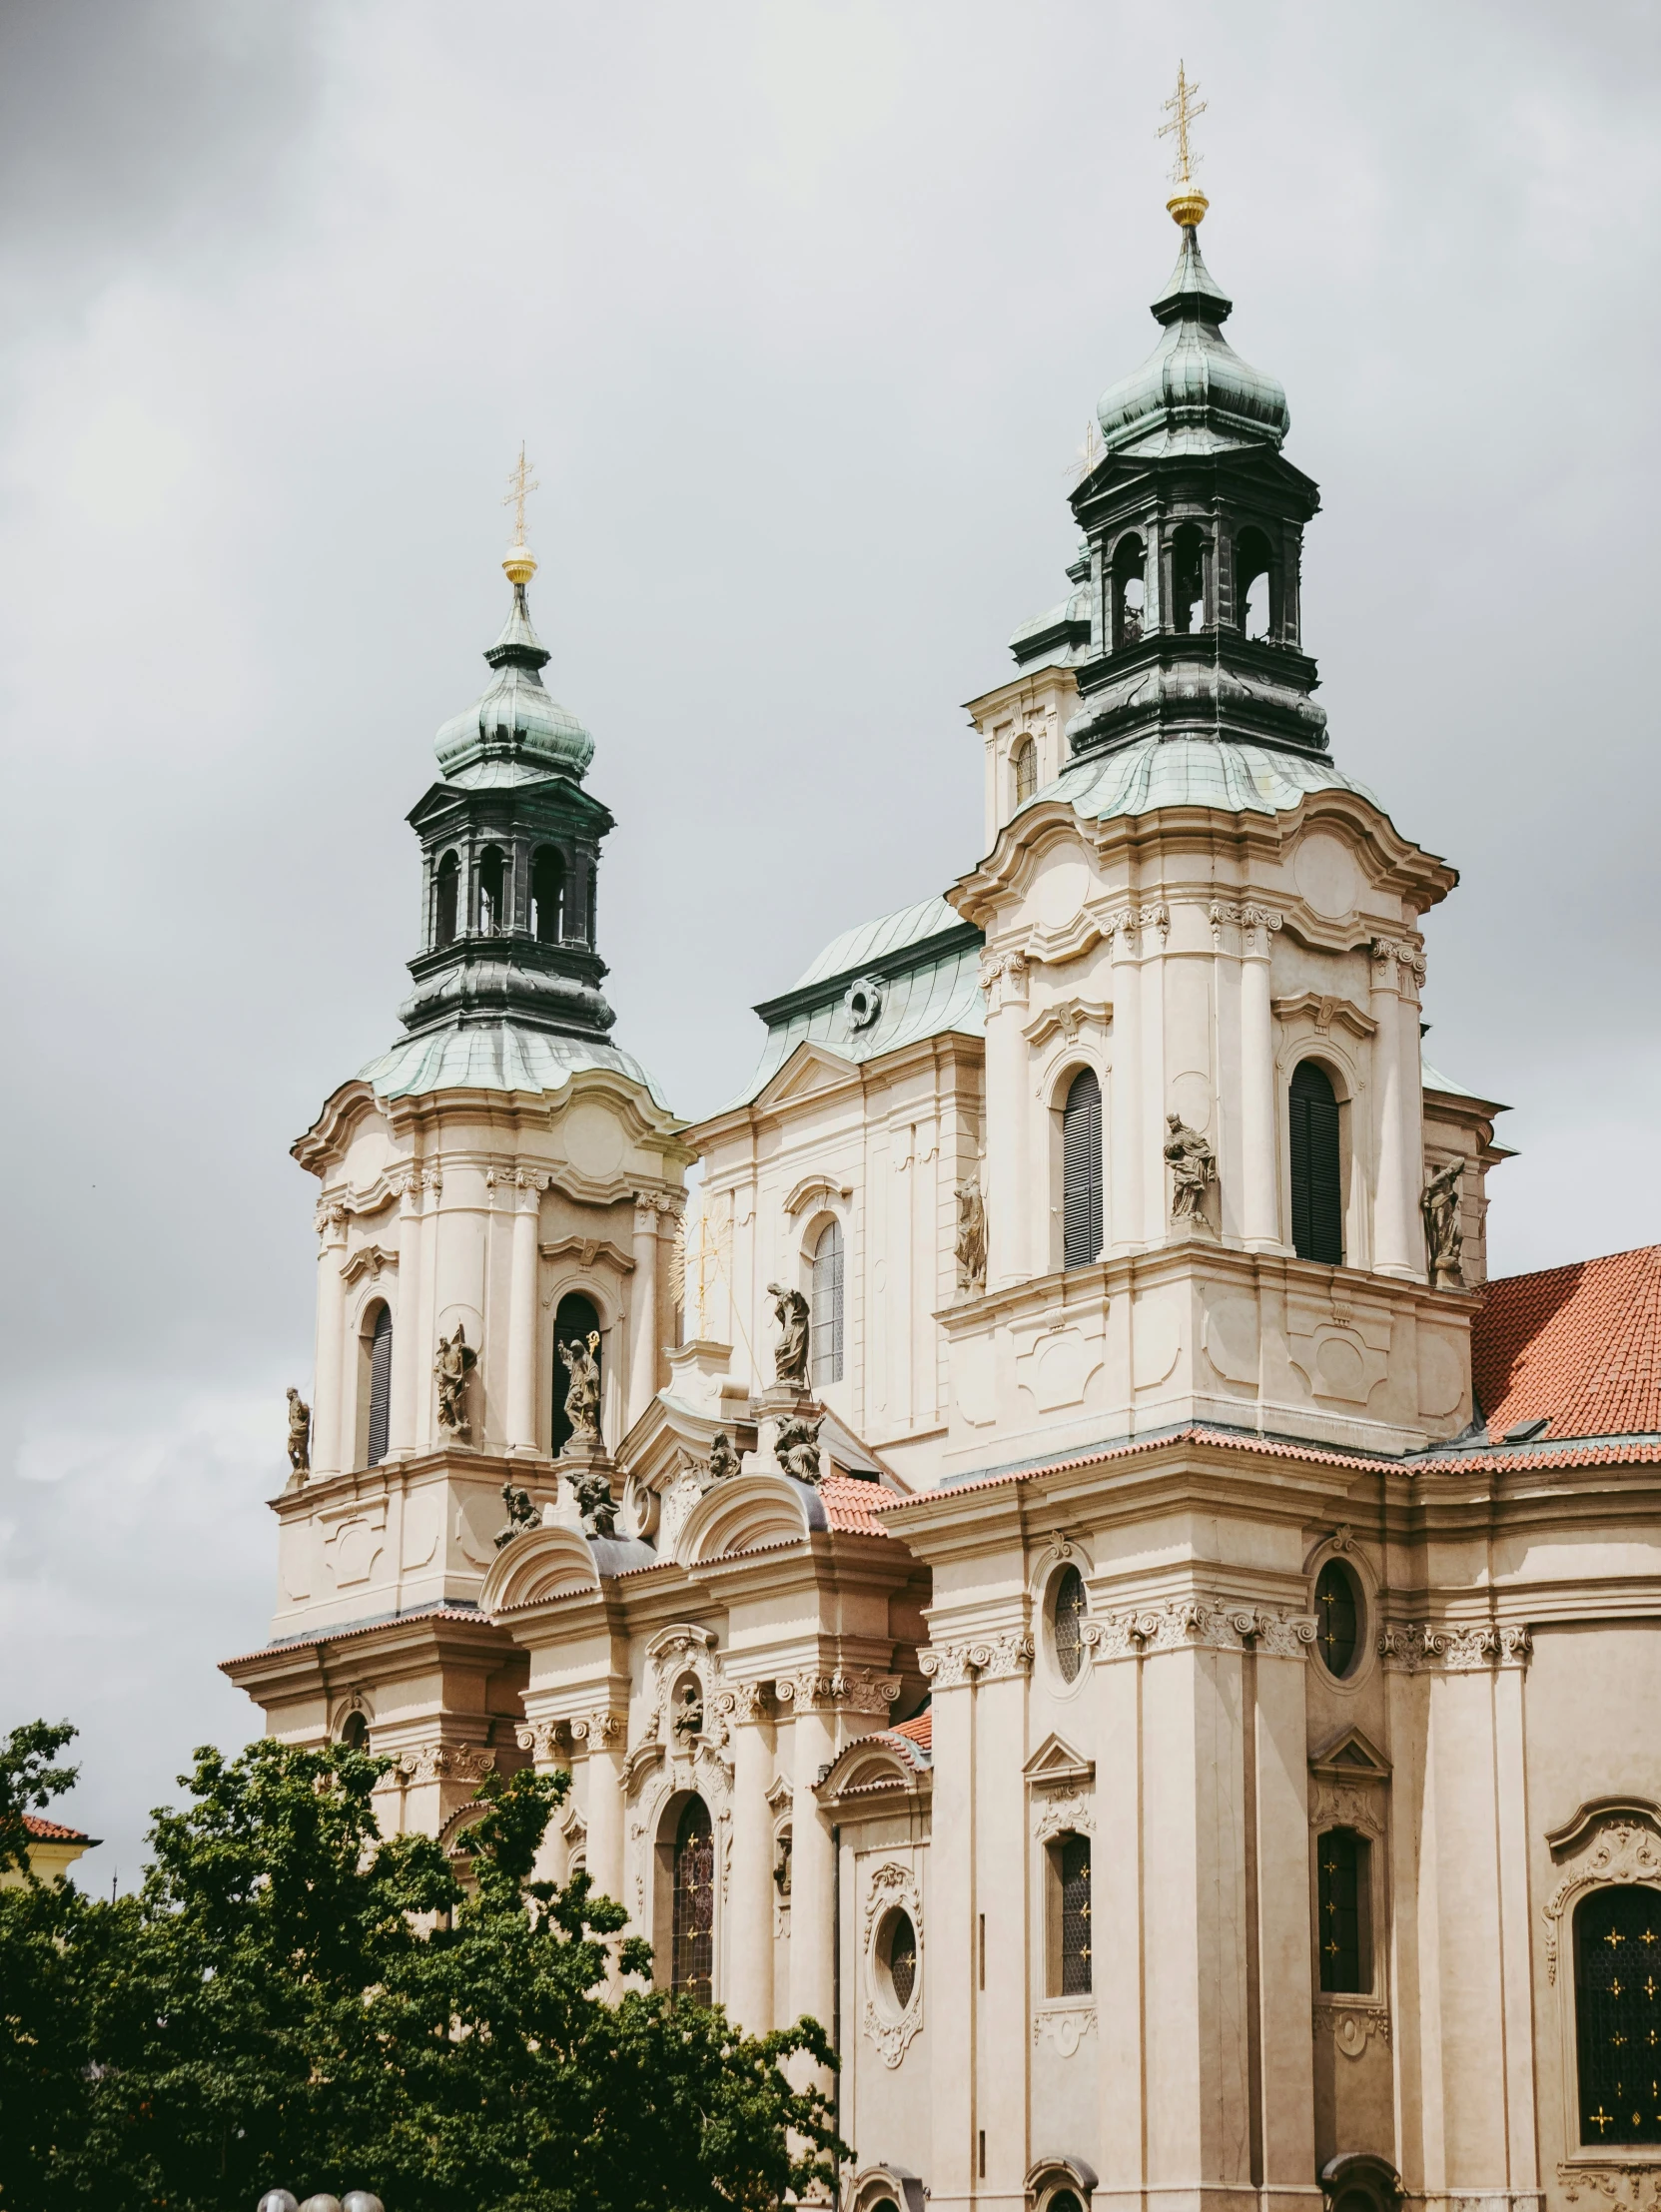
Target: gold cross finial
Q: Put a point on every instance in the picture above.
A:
(520, 482)
(1188, 204)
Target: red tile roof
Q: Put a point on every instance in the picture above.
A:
(1580, 1346)
(52, 1832)
(919, 1729)
(850, 1504)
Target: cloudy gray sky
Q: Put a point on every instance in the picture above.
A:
(802, 306)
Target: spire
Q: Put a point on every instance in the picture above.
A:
(1188, 204)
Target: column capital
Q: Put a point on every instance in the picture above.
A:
(330, 1223)
(599, 1731)
(743, 1701)
(855, 1690)
(1004, 979)
(987, 1659)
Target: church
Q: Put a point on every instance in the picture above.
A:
(1047, 1552)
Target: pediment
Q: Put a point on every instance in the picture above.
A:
(1351, 1758)
(744, 1512)
(809, 1070)
(1057, 1761)
(546, 1563)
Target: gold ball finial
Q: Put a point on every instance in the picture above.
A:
(518, 560)
(1188, 206)
(520, 563)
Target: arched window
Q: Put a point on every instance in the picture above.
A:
(1068, 1620)
(1189, 554)
(825, 1305)
(547, 895)
(493, 891)
(1081, 1171)
(446, 900)
(1617, 1941)
(355, 1733)
(1253, 584)
(693, 1937)
(574, 926)
(1317, 1167)
(1068, 1942)
(575, 1319)
(379, 1385)
(1127, 592)
(1343, 1916)
(1026, 770)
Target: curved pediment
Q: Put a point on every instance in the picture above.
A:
(548, 1562)
(742, 1513)
(872, 1764)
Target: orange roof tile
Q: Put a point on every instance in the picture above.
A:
(1579, 1346)
(851, 1504)
(919, 1729)
(53, 1832)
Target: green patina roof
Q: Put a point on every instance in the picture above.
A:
(927, 964)
(1215, 772)
(515, 733)
(1193, 394)
(498, 1055)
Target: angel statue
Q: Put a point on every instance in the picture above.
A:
(300, 1433)
(796, 1448)
(522, 1514)
(1443, 1233)
(1193, 1170)
(456, 1362)
(790, 1352)
(582, 1398)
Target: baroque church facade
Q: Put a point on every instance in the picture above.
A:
(1052, 1557)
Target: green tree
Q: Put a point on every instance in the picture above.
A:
(293, 1999)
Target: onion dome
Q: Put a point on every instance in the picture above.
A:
(515, 732)
(1193, 394)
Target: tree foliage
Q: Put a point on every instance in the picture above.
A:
(293, 1999)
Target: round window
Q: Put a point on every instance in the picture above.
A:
(1067, 1619)
(897, 1959)
(1338, 1616)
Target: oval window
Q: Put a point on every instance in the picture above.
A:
(1068, 1620)
(1337, 1619)
(897, 1958)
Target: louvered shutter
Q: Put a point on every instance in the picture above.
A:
(381, 1385)
(1082, 1171)
(1317, 1167)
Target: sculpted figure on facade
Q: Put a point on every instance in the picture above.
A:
(970, 1236)
(456, 1362)
(1443, 1235)
(796, 1449)
(1193, 1170)
(300, 1433)
(592, 1491)
(522, 1514)
(582, 1394)
(790, 1352)
(723, 1460)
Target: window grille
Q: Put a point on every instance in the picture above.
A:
(1070, 1616)
(902, 1959)
(693, 1940)
(1317, 1169)
(1081, 1146)
(1343, 1871)
(1617, 2002)
(1026, 770)
(1075, 1916)
(380, 1386)
(825, 1304)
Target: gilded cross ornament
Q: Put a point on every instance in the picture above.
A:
(1188, 204)
(521, 483)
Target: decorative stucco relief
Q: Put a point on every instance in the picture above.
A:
(1406, 1647)
(1604, 2184)
(1066, 2027)
(1069, 1816)
(946, 1666)
(468, 1763)
(852, 1688)
(1623, 1852)
(1342, 1805)
(1352, 2027)
(890, 2027)
(1183, 1623)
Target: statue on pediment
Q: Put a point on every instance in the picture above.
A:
(790, 1352)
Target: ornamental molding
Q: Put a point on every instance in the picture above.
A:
(817, 1186)
(1065, 2025)
(1004, 980)
(1063, 1817)
(598, 1729)
(1409, 1647)
(1607, 2183)
(1068, 1018)
(586, 1250)
(1323, 1009)
(1188, 1623)
(1622, 1852)
(544, 1740)
(368, 1260)
(1129, 922)
(891, 1885)
(1342, 1805)
(991, 1659)
(1351, 2026)
(1406, 958)
(852, 1690)
(743, 1701)
(447, 1762)
(680, 1653)
(1257, 923)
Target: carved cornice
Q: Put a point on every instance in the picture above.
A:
(589, 1249)
(1323, 1008)
(1068, 1018)
(991, 1659)
(370, 1260)
(1185, 1624)
(1453, 1648)
(1622, 1852)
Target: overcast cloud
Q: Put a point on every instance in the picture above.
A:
(802, 307)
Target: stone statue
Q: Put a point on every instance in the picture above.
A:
(1193, 1170)
(790, 1352)
(456, 1362)
(689, 1715)
(300, 1433)
(970, 1236)
(1443, 1233)
(796, 1448)
(522, 1514)
(582, 1398)
(723, 1460)
(596, 1503)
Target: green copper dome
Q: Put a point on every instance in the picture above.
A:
(516, 732)
(1193, 394)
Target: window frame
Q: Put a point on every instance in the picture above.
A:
(1624, 1846)
(1056, 1991)
(1342, 1148)
(1064, 1085)
(819, 1228)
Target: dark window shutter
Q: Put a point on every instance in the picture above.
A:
(1081, 1171)
(1317, 1169)
(381, 1385)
